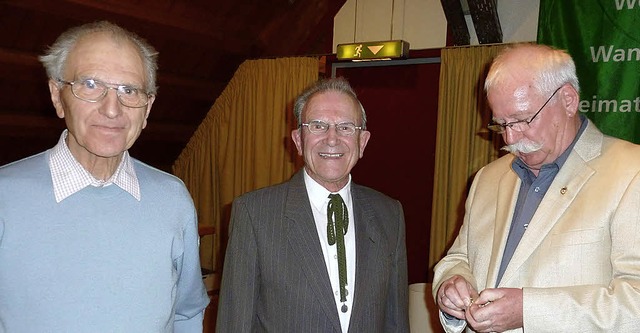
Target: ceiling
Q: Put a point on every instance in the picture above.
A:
(201, 43)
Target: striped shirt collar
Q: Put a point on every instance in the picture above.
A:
(69, 176)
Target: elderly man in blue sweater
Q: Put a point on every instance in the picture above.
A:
(92, 240)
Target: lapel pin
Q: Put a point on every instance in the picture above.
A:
(563, 190)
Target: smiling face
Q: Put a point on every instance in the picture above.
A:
(329, 157)
(100, 132)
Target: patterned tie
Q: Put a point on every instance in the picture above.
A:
(338, 223)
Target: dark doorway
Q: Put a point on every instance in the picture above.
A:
(401, 101)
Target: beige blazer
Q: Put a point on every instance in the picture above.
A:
(578, 263)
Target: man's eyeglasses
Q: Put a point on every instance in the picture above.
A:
(93, 91)
(320, 127)
(519, 125)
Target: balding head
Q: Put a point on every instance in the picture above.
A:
(542, 67)
(533, 94)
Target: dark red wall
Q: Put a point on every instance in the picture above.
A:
(401, 102)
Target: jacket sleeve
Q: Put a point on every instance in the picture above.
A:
(398, 312)
(239, 286)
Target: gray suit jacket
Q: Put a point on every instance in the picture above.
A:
(275, 278)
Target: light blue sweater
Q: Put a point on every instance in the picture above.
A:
(98, 261)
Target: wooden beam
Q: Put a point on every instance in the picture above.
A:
(284, 35)
(17, 58)
(182, 21)
(484, 14)
(188, 18)
(456, 22)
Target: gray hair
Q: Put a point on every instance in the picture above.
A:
(339, 85)
(551, 67)
(55, 58)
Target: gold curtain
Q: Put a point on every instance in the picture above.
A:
(463, 144)
(243, 143)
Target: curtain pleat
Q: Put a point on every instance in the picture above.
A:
(463, 143)
(243, 143)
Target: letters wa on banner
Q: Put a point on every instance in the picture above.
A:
(603, 36)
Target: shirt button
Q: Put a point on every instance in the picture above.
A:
(537, 189)
(335, 256)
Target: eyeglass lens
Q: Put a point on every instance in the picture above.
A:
(92, 90)
(320, 127)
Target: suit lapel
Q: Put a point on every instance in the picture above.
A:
(507, 197)
(303, 239)
(367, 236)
(573, 175)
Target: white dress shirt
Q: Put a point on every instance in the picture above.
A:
(319, 198)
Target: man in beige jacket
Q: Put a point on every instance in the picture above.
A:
(551, 235)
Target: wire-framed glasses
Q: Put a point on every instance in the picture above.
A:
(321, 127)
(93, 91)
(519, 125)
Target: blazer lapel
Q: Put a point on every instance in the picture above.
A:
(303, 239)
(507, 196)
(565, 187)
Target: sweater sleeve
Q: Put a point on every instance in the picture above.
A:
(192, 297)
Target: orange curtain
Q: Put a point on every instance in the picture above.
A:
(243, 143)
(463, 143)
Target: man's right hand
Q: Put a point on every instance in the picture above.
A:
(455, 295)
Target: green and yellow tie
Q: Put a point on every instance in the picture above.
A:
(338, 223)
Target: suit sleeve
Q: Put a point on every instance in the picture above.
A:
(397, 311)
(239, 286)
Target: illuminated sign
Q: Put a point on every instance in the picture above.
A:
(383, 50)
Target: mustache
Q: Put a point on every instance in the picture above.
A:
(523, 147)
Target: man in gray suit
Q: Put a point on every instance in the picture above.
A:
(317, 253)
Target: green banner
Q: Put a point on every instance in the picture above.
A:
(603, 37)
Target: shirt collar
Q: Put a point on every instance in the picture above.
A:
(69, 176)
(319, 196)
(521, 168)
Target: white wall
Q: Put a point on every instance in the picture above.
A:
(422, 23)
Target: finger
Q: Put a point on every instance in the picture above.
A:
(472, 291)
(476, 319)
(459, 292)
(471, 320)
(460, 302)
(452, 304)
(472, 313)
(448, 303)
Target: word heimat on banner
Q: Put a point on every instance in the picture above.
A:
(610, 105)
(602, 36)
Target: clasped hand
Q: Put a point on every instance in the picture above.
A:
(492, 310)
